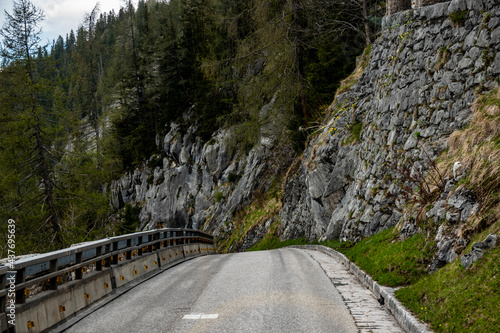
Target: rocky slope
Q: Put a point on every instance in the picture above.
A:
(418, 84)
(422, 77)
(195, 185)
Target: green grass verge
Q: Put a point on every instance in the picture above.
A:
(270, 243)
(389, 261)
(457, 300)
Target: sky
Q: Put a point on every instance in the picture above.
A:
(63, 15)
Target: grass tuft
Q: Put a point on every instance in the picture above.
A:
(478, 148)
(458, 18)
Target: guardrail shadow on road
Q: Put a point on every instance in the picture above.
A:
(52, 287)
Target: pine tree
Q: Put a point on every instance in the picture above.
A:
(27, 156)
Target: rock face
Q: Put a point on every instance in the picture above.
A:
(478, 250)
(421, 79)
(195, 185)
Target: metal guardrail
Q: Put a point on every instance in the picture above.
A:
(49, 268)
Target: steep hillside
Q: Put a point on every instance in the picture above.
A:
(369, 167)
(422, 77)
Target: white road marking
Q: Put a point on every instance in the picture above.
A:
(191, 316)
(209, 316)
(200, 316)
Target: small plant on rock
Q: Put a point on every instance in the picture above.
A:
(420, 180)
(458, 18)
(218, 196)
(444, 56)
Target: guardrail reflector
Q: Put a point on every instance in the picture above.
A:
(122, 278)
(134, 271)
(106, 285)
(59, 279)
(26, 291)
(145, 266)
(62, 308)
(31, 324)
(103, 262)
(84, 269)
(162, 258)
(86, 296)
(155, 263)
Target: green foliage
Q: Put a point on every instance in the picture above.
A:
(261, 210)
(232, 177)
(355, 130)
(458, 18)
(270, 243)
(352, 79)
(130, 219)
(218, 196)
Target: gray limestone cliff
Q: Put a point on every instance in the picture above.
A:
(421, 79)
(199, 185)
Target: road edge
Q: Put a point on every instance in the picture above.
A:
(80, 315)
(385, 295)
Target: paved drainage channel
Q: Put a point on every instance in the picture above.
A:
(368, 314)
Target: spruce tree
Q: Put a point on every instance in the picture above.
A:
(27, 156)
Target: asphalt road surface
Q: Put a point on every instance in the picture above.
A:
(271, 291)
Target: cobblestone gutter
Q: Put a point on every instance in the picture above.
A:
(385, 295)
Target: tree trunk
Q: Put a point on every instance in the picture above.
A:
(46, 181)
(368, 37)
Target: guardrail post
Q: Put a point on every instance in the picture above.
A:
(129, 252)
(114, 258)
(78, 271)
(156, 237)
(139, 242)
(53, 280)
(98, 253)
(149, 248)
(20, 278)
(107, 261)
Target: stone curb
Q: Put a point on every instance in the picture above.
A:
(385, 295)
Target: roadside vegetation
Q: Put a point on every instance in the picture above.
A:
(452, 299)
(262, 210)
